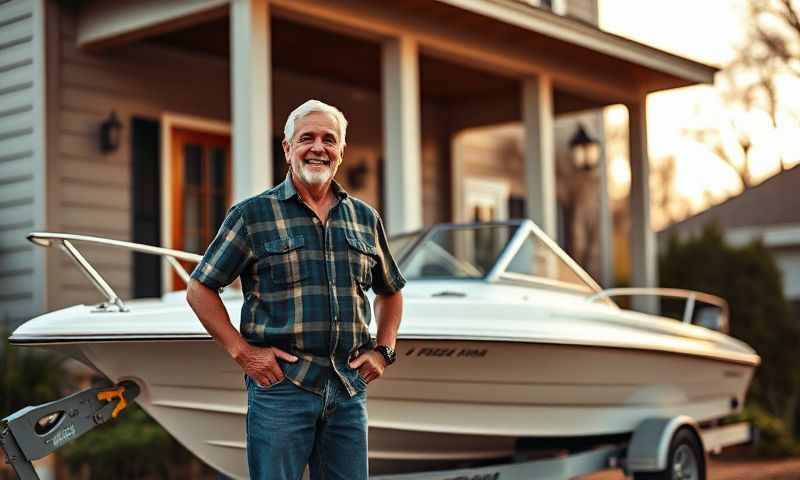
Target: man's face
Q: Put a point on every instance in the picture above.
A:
(315, 152)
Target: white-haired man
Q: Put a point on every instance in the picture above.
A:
(306, 252)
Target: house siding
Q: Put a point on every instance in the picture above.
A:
(94, 189)
(21, 153)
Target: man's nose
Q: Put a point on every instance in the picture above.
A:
(318, 146)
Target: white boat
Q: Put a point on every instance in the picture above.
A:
(504, 342)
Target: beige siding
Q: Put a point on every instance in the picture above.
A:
(94, 189)
(20, 273)
(585, 10)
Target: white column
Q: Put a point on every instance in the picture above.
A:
(643, 251)
(251, 102)
(605, 220)
(540, 172)
(401, 135)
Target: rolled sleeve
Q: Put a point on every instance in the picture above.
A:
(386, 276)
(227, 255)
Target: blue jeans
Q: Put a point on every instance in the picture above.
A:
(289, 428)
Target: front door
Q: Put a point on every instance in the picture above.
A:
(485, 200)
(201, 190)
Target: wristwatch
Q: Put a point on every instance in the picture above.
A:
(389, 355)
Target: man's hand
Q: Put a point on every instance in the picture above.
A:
(261, 363)
(369, 364)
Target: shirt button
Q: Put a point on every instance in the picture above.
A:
(316, 220)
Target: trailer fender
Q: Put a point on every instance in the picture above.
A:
(649, 445)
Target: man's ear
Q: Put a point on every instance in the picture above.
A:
(286, 149)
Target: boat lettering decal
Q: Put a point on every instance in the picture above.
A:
(480, 476)
(448, 352)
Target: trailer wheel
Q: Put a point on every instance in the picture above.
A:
(686, 460)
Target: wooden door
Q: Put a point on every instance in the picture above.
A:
(201, 190)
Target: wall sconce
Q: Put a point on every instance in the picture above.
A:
(584, 149)
(357, 175)
(110, 133)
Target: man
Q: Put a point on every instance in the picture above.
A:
(306, 252)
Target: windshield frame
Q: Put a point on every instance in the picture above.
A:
(526, 228)
(498, 272)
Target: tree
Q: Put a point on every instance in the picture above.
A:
(749, 85)
(750, 281)
(27, 377)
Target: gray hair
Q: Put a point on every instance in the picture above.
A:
(312, 106)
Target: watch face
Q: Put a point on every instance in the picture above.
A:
(387, 352)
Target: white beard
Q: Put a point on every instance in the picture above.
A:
(315, 177)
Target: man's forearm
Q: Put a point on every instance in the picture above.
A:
(212, 314)
(388, 313)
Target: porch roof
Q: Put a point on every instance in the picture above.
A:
(590, 67)
(578, 40)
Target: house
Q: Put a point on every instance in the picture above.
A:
(769, 212)
(198, 92)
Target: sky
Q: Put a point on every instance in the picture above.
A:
(706, 31)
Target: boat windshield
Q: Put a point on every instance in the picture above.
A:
(516, 252)
(451, 251)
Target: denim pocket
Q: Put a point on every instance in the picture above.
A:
(258, 386)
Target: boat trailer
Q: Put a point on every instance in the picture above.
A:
(35, 432)
(669, 448)
(659, 449)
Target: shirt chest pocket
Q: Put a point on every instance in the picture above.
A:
(361, 256)
(284, 259)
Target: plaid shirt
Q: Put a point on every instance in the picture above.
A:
(304, 283)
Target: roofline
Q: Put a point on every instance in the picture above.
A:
(579, 33)
(727, 200)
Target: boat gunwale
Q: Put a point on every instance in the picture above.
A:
(752, 360)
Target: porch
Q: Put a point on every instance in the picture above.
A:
(411, 82)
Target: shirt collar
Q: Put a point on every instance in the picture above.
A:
(286, 189)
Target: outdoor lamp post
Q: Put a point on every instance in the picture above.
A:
(585, 150)
(110, 133)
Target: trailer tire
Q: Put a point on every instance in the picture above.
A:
(686, 459)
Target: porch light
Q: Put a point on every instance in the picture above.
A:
(110, 133)
(357, 175)
(585, 150)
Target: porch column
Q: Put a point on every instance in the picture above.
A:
(605, 220)
(251, 102)
(540, 173)
(643, 251)
(402, 181)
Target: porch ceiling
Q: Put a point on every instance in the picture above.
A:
(356, 61)
(504, 37)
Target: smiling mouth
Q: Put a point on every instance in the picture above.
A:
(317, 161)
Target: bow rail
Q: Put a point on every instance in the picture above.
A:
(65, 242)
(719, 322)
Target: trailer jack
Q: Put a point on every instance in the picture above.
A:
(34, 432)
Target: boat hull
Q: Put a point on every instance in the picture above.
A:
(444, 401)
